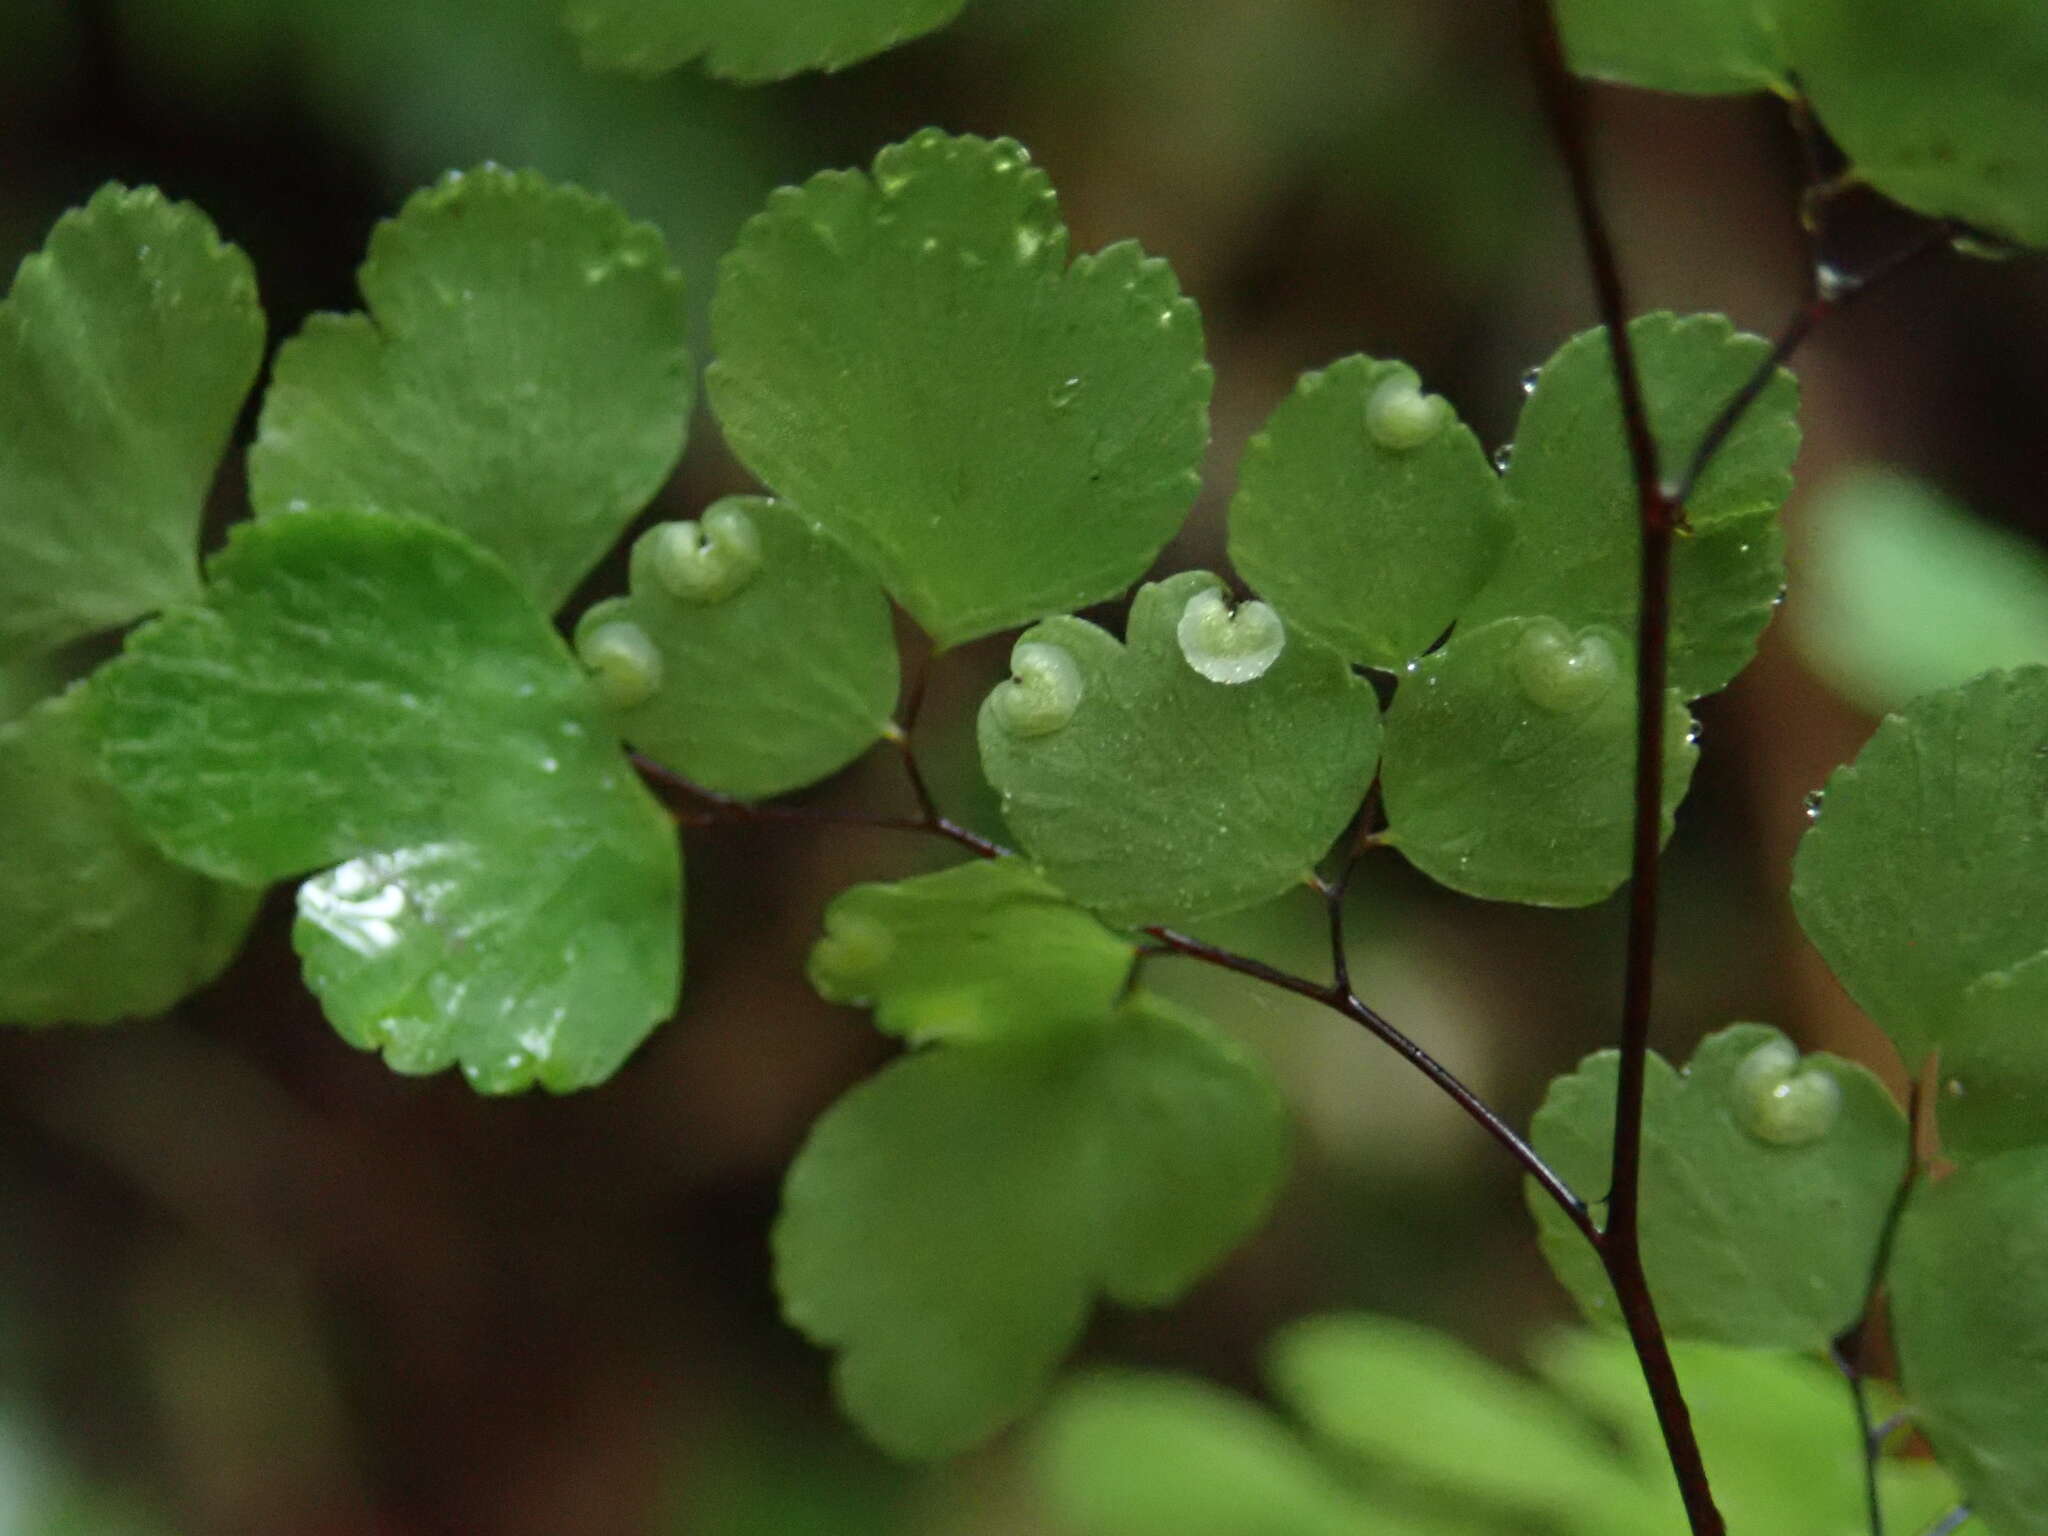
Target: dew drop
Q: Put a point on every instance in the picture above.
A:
(1779, 1102)
(1815, 799)
(1065, 393)
(624, 665)
(1778, 598)
(1561, 674)
(1043, 693)
(1503, 458)
(1401, 417)
(708, 561)
(1531, 379)
(1228, 647)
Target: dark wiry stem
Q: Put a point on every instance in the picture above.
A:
(694, 805)
(1851, 1350)
(1619, 1244)
(1348, 1004)
(1831, 290)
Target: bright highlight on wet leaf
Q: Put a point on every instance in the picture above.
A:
(376, 697)
(1760, 1219)
(776, 656)
(1572, 498)
(747, 40)
(949, 1223)
(520, 375)
(1970, 1322)
(910, 359)
(1365, 513)
(127, 345)
(1510, 763)
(1927, 867)
(1163, 796)
(986, 951)
(99, 924)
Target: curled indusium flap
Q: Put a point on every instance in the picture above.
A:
(1228, 647)
(709, 561)
(1400, 416)
(1563, 674)
(1779, 1102)
(625, 668)
(1043, 692)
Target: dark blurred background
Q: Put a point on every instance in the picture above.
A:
(251, 1281)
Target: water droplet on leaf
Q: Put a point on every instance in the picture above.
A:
(1530, 380)
(1400, 416)
(1563, 674)
(708, 562)
(624, 665)
(1228, 647)
(1503, 458)
(1043, 693)
(1064, 393)
(1815, 799)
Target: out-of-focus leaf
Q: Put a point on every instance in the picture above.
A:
(1970, 1317)
(1904, 592)
(949, 1223)
(1937, 106)
(95, 923)
(1131, 1454)
(748, 40)
(1701, 47)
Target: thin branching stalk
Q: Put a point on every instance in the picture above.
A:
(1619, 1244)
